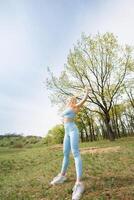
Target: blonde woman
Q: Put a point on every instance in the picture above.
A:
(71, 142)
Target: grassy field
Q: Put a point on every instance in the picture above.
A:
(25, 173)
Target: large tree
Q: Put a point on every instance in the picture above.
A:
(100, 63)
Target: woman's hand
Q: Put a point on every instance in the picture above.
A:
(86, 89)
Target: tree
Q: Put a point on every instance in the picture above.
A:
(100, 63)
(86, 123)
(55, 135)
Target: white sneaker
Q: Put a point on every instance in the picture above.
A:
(58, 179)
(78, 189)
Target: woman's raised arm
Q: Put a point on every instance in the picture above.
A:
(84, 98)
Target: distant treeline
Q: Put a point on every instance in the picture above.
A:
(19, 141)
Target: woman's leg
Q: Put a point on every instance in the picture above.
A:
(66, 152)
(74, 140)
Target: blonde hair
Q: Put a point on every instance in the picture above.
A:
(71, 100)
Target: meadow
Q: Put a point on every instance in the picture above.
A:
(108, 173)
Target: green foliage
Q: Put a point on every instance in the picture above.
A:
(48, 139)
(99, 62)
(19, 141)
(55, 135)
(102, 64)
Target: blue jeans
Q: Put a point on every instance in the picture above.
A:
(71, 142)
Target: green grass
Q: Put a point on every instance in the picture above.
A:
(25, 173)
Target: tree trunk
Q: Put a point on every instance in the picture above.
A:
(90, 128)
(85, 129)
(115, 123)
(103, 131)
(81, 136)
(110, 132)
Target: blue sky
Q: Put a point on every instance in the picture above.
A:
(37, 34)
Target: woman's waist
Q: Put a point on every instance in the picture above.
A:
(68, 119)
(69, 125)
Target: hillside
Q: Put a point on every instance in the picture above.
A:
(19, 141)
(108, 172)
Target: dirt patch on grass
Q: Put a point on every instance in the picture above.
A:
(91, 149)
(99, 150)
(57, 147)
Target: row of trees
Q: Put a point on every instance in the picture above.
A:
(107, 68)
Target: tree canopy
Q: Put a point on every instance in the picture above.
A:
(103, 65)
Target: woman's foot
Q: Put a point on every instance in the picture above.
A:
(78, 189)
(58, 179)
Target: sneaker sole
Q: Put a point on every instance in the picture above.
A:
(51, 183)
(79, 196)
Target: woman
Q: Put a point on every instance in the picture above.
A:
(71, 142)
